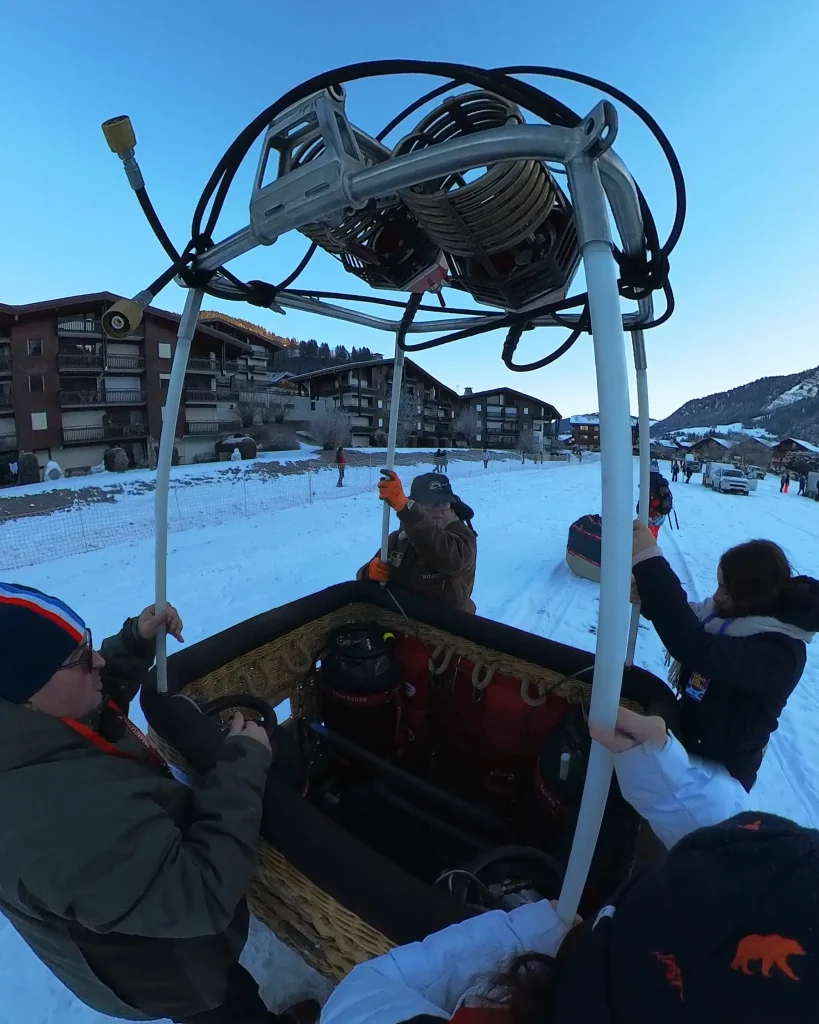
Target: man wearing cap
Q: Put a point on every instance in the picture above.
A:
(433, 554)
(128, 884)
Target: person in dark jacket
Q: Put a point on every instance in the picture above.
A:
(128, 884)
(720, 930)
(736, 656)
(434, 553)
(341, 465)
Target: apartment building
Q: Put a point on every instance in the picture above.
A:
(586, 431)
(68, 392)
(363, 390)
(504, 418)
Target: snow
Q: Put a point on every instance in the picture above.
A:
(728, 428)
(222, 574)
(808, 387)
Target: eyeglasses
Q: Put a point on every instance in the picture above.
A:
(83, 655)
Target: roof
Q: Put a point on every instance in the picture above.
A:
(365, 363)
(594, 419)
(70, 302)
(807, 445)
(664, 442)
(511, 391)
(717, 440)
(266, 337)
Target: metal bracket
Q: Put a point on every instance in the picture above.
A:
(318, 149)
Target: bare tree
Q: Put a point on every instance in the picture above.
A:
(526, 440)
(467, 424)
(408, 414)
(246, 413)
(331, 427)
(275, 411)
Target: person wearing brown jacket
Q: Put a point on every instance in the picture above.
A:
(433, 555)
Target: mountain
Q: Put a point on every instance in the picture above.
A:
(786, 406)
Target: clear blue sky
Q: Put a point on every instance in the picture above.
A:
(733, 85)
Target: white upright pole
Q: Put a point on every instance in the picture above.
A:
(617, 487)
(644, 420)
(392, 436)
(187, 326)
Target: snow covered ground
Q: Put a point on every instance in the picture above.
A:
(222, 574)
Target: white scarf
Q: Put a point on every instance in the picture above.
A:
(748, 625)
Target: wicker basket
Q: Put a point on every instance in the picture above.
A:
(326, 934)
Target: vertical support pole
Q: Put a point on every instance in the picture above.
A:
(187, 326)
(392, 436)
(641, 368)
(617, 485)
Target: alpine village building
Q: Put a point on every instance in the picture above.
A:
(69, 392)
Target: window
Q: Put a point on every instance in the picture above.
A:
(34, 346)
(525, 410)
(380, 422)
(477, 437)
(312, 407)
(39, 421)
(36, 382)
(164, 350)
(380, 404)
(478, 407)
(419, 425)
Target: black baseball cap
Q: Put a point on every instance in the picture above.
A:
(432, 489)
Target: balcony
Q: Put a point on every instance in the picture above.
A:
(88, 327)
(5, 364)
(8, 442)
(198, 428)
(200, 396)
(84, 399)
(79, 361)
(99, 433)
(6, 401)
(231, 366)
(127, 364)
(204, 365)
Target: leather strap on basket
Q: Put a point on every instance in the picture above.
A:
(306, 663)
(533, 702)
(481, 684)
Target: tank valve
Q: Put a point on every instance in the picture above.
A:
(119, 134)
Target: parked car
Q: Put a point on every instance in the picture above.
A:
(755, 472)
(813, 486)
(730, 481)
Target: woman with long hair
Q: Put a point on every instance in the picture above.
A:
(737, 656)
(721, 929)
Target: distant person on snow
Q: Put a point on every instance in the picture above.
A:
(439, 459)
(433, 554)
(675, 471)
(803, 483)
(485, 458)
(784, 482)
(721, 929)
(128, 884)
(689, 472)
(738, 655)
(341, 462)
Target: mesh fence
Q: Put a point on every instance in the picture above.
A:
(194, 503)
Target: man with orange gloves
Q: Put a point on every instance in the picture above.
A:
(433, 554)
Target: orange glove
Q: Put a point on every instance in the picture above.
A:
(390, 490)
(378, 570)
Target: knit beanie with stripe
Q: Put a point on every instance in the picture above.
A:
(39, 635)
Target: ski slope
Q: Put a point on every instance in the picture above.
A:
(223, 574)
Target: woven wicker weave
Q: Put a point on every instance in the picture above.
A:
(305, 917)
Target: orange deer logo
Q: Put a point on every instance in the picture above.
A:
(752, 826)
(673, 974)
(772, 950)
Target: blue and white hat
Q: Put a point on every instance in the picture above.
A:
(39, 634)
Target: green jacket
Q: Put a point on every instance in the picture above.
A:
(435, 563)
(128, 884)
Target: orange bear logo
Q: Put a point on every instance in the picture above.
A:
(673, 974)
(772, 950)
